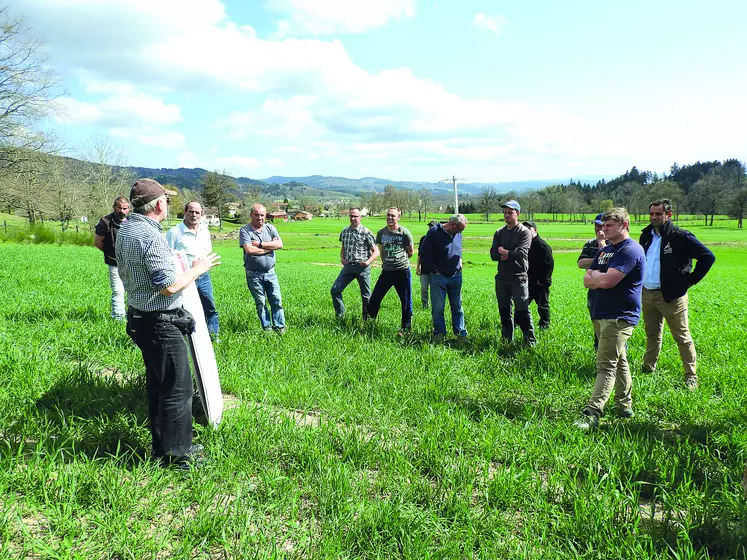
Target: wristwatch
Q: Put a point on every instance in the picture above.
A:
(260, 243)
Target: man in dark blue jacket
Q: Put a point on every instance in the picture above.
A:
(669, 274)
(440, 255)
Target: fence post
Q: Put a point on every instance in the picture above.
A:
(76, 228)
(5, 225)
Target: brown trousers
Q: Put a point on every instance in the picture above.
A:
(655, 312)
(612, 365)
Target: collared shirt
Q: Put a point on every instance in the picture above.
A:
(258, 263)
(194, 244)
(357, 244)
(652, 276)
(145, 264)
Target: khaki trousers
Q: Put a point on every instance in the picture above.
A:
(655, 311)
(612, 365)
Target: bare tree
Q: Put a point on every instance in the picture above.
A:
(27, 93)
(104, 175)
(488, 201)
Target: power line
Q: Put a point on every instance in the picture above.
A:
(454, 180)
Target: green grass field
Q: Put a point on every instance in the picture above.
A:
(342, 441)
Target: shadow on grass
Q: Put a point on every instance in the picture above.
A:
(99, 414)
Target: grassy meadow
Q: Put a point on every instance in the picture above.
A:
(343, 441)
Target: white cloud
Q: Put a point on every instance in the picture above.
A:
(275, 162)
(324, 17)
(238, 166)
(309, 100)
(189, 160)
(150, 136)
(494, 24)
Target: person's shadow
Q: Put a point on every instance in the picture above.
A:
(98, 412)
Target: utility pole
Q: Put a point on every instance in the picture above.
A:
(454, 180)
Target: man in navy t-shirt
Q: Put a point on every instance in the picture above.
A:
(616, 274)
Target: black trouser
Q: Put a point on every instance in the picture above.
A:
(540, 293)
(400, 279)
(168, 380)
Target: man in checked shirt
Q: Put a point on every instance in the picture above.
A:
(157, 322)
(357, 253)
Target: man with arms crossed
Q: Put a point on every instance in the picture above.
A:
(105, 236)
(157, 322)
(588, 252)
(260, 241)
(396, 248)
(358, 251)
(440, 256)
(511, 249)
(616, 275)
(193, 237)
(669, 274)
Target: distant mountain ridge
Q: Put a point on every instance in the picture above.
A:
(190, 178)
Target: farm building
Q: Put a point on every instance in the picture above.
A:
(272, 216)
(302, 215)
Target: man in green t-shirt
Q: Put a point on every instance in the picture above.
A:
(396, 247)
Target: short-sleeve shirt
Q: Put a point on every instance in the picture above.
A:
(394, 246)
(194, 244)
(624, 300)
(589, 250)
(107, 228)
(357, 244)
(258, 263)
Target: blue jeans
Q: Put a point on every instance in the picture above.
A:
(425, 282)
(349, 273)
(401, 281)
(205, 289)
(264, 287)
(441, 286)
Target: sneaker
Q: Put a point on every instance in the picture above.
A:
(588, 421)
(691, 383)
(267, 329)
(647, 369)
(401, 333)
(624, 412)
(280, 330)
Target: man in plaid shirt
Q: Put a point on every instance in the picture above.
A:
(357, 253)
(157, 322)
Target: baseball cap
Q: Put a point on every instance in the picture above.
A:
(531, 224)
(512, 204)
(598, 219)
(147, 190)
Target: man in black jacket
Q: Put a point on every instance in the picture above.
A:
(541, 265)
(668, 275)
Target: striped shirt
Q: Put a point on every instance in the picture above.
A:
(145, 264)
(357, 244)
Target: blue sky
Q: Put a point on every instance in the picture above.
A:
(401, 89)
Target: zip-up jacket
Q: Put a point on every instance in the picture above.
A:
(541, 262)
(678, 249)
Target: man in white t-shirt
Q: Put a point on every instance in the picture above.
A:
(193, 237)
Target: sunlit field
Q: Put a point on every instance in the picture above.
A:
(343, 441)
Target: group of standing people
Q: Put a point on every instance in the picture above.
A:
(624, 278)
